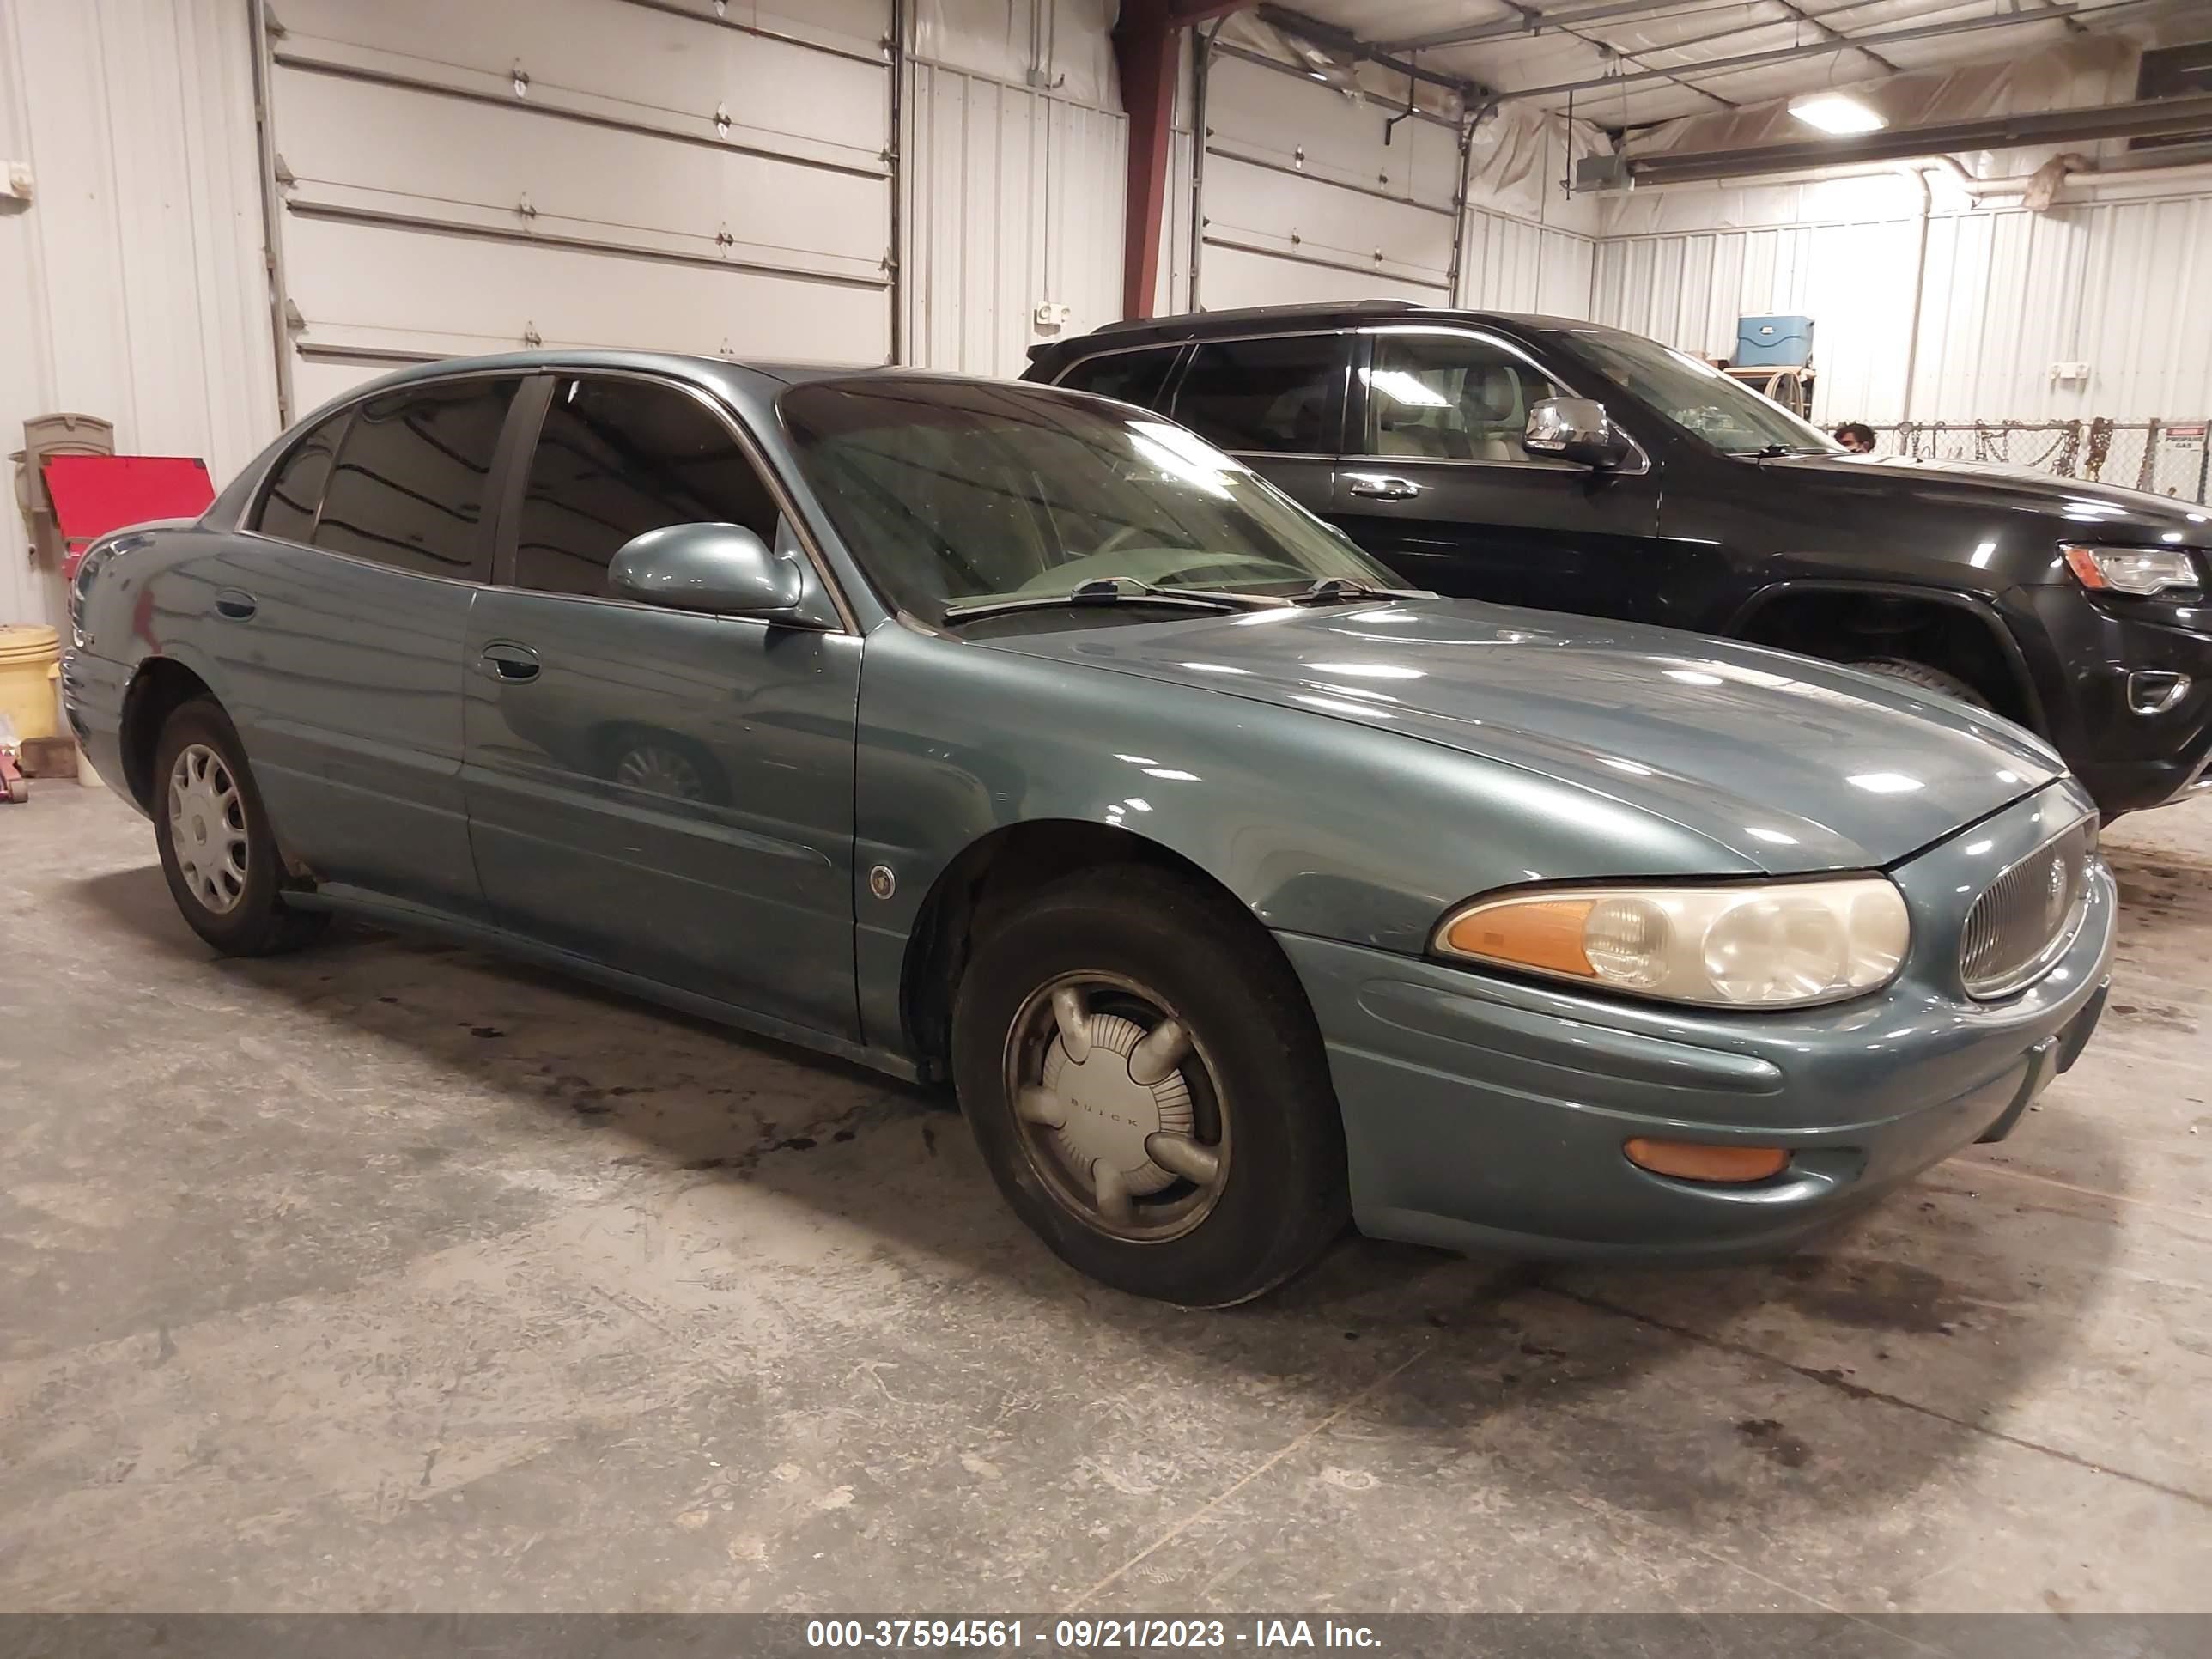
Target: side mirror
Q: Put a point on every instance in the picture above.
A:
(1576, 429)
(722, 569)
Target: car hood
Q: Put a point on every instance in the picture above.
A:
(2105, 512)
(1790, 764)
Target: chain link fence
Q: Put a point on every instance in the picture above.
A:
(2166, 458)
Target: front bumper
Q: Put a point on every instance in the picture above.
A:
(2129, 749)
(1485, 1112)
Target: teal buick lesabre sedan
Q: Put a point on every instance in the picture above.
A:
(1009, 737)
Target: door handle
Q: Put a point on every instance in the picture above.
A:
(1383, 486)
(510, 663)
(235, 604)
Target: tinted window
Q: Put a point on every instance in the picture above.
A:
(295, 488)
(412, 476)
(617, 458)
(1283, 394)
(1449, 398)
(1135, 377)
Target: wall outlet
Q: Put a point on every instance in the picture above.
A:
(2069, 371)
(1050, 313)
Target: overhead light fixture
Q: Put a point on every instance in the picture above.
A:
(1839, 112)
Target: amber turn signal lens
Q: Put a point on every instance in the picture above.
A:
(1688, 1160)
(1542, 934)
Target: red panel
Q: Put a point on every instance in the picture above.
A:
(94, 494)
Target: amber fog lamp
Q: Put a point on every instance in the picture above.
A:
(1690, 1160)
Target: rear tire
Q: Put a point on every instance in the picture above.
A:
(218, 849)
(1929, 679)
(1192, 1152)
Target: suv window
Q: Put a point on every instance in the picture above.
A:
(617, 458)
(1135, 377)
(1284, 394)
(1449, 398)
(295, 489)
(409, 488)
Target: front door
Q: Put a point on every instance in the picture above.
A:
(665, 792)
(1436, 484)
(341, 620)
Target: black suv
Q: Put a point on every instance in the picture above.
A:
(1540, 461)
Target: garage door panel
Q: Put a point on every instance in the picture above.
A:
(430, 294)
(396, 151)
(614, 61)
(1309, 219)
(1233, 276)
(1281, 119)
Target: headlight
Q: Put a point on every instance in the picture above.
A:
(1769, 944)
(2138, 570)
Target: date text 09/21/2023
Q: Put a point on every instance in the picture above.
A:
(1089, 1634)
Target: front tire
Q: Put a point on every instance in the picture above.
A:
(1143, 1075)
(1929, 679)
(218, 850)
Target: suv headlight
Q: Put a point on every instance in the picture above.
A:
(2141, 571)
(1765, 944)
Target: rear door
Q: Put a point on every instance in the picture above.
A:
(344, 616)
(1435, 482)
(1275, 401)
(665, 792)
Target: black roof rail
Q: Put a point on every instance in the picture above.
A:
(1190, 324)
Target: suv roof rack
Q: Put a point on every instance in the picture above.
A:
(1263, 313)
(1190, 324)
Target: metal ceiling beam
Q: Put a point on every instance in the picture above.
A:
(1550, 21)
(1789, 54)
(1608, 51)
(2151, 118)
(1836, 35)
(1344, 40)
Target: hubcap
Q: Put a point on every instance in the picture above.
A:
(659, 771)
(207, 828)
(1117, 1108)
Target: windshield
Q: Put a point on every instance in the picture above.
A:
(952, 492)
(1699, 398)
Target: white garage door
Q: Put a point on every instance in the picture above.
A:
(689, 174)
(1304, 200)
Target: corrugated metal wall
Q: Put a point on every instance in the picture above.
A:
(1508, 264)
(131, 287)
(1013, 199)
(2006, 295)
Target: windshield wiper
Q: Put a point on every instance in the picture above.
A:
(1347, 590)
(1113, 589)
(1771, 452)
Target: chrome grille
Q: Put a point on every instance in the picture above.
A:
(2026, 918)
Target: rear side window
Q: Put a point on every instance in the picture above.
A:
(412, 475)
(295, 488)
(1282, 395)
(1135, 377)
(617, 458)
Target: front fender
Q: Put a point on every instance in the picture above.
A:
(1320, 826)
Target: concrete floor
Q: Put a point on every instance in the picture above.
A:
(387, 1277)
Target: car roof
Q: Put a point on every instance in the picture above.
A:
(1336, 314)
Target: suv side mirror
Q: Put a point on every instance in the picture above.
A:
(722, 569)
(1576, 429)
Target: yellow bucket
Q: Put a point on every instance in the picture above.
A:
(28, 651)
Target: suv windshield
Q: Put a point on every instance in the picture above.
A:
(952, 492)
(1699, 398)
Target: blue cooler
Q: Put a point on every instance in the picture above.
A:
(1773, 343)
